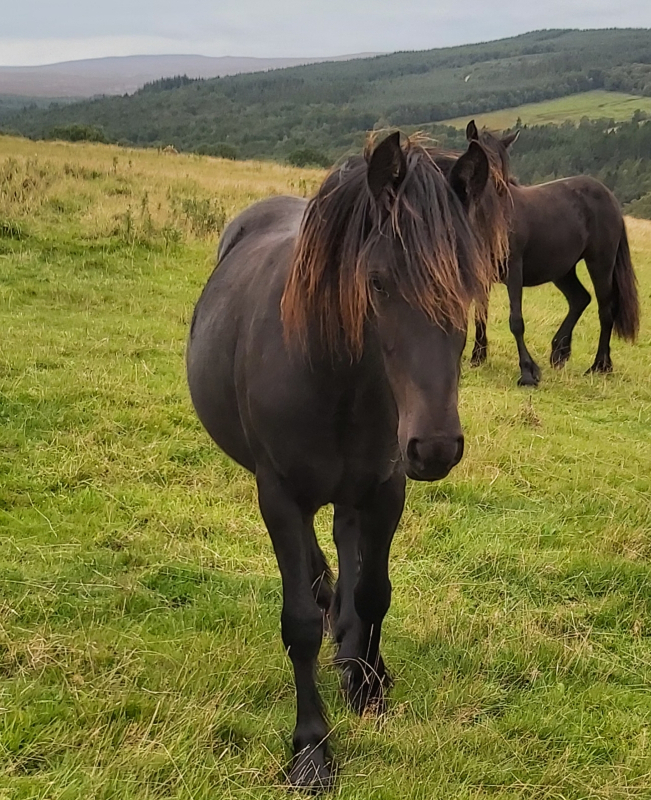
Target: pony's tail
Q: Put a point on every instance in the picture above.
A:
(627, 305)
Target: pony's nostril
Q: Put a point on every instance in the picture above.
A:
(412, 450)
(434, 457)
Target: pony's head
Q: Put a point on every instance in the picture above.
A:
(387, 250)
(497, 149)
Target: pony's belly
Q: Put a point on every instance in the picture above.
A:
(214, 398)
(547, 267)
(224, 430)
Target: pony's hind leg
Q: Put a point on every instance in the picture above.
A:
(601, 272)
(363, 593)
(578, 298)
(529, 370)
(302, 628)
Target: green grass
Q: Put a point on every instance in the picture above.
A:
(140, 654)
(597, 104)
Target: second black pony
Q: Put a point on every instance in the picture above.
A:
(553, 226)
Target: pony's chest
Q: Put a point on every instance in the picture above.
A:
(339, 455)
(339, 471)
(368, 443)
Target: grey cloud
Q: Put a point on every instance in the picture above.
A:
(292, 27)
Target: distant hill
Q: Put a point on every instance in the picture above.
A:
(126, 74)
(319, 111)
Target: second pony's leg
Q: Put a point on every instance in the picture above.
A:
(363, 537)
(578, 299)
(320, 571)
(601, 272)
(301, 625)
(529, 370)
(346, 535)
(480, 349)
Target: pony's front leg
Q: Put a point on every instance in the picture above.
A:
(364, 592)
(302, 628)
(529, 370)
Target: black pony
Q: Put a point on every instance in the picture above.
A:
(553, 226)
(324, 357)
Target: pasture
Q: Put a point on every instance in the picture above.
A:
(597, 104)
(139, 597)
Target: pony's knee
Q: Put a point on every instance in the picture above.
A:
(372, 601)
(302, 633)
(516, 324)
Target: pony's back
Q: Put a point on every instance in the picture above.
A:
(277, 215)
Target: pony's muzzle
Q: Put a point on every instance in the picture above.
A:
(432, 459)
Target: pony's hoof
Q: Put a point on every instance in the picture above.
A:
(365, 687)
(310, 771)
(602, 367)
(560, 357)
(530, 375)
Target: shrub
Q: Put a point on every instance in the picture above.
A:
(78, 133)
(308, 157)
(639, 208)
(202, 216)
(218, 150)
(11, 230)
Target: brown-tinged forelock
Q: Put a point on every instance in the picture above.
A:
(490, 216)
(497, 203)
(442, 264)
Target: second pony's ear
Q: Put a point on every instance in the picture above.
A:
(510, 138)
(469, 175)
(472, 134)
(387, 166)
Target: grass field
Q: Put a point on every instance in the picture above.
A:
(140, 654)
(597, 104)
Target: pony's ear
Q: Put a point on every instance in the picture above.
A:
(387, 166)
(472, 134)
(510, 138)
(469, 175)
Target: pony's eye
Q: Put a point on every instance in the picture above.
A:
(377, 285)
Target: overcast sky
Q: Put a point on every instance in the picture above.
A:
(45, 31)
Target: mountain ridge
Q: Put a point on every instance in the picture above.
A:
(115, 75)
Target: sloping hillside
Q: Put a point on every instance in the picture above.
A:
(328, 106)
